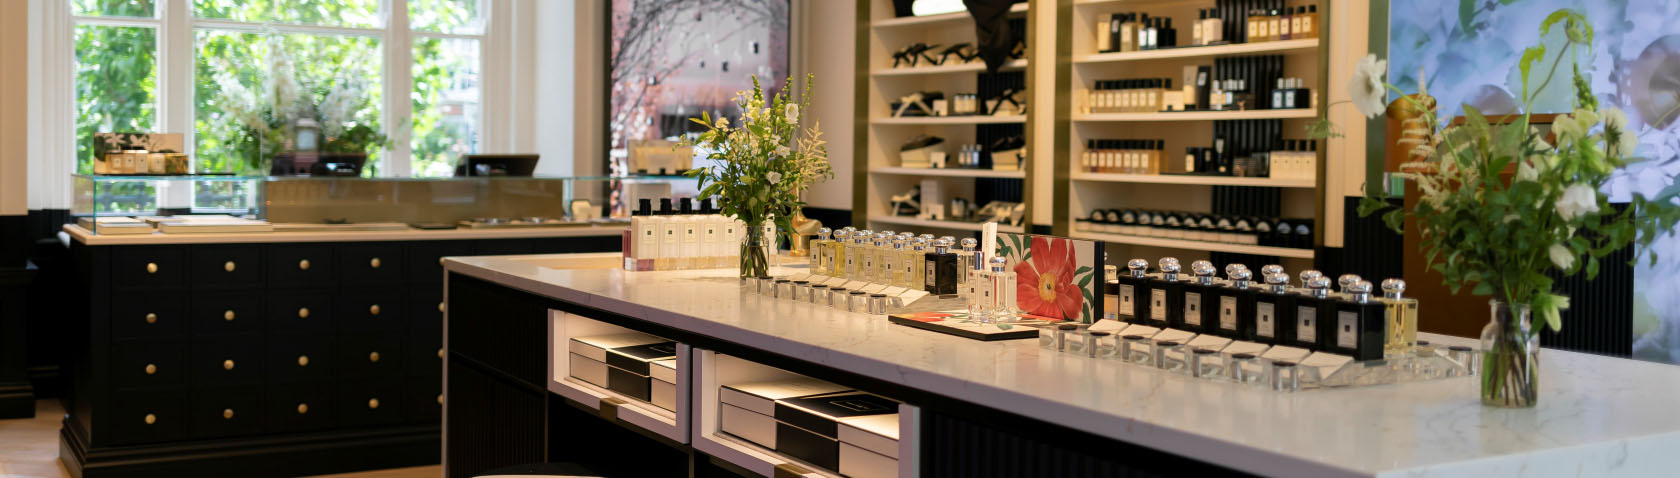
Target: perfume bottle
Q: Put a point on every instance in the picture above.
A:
(971, 266)
(815, 249)
(1313, 309)
(1399, 320)
(1236, 305)
(670, 237)
(1166, 296)
(1274, 309)
(915, 265)
(1359, 324)
(689, 225)
(1132, 285)
(981, 297)
(645, 226)
(941, 269)
(1197, 293)
(1345, 281)
(892, 256)
(1003, 292)
(854, 254)
(872, 257)
(837, 250)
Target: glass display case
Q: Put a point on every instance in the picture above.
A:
(332, 203)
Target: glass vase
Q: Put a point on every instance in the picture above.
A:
(1510, 358)
(755, 258)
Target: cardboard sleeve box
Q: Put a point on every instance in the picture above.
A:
(810, 428)
(621, 362)
(748, 410)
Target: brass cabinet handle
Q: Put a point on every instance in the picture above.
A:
(303, 408)
(440, 307)
(227, 315)
(373, 357)
(228, 266)
(440, 399)
(151, 318)
(373, 309)
(227, 413)
(151, 267)
(373, 403)
(440, 352)
(303, 312)
(150, 419)
(227, 364)
(303, 360)
(303, 265)
(374, 263)
(151, 369)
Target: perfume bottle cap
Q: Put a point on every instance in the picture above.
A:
(644, 207)
(1320, 286)
(1239, 278)
(1203, 268)
(1345, 280)
(1233, 267)
(861, 237)
(1361, 291)
(968, 244)
(888, 233)
(1308, 275)
(686, 206)
(1168, 265)
(1137, 267)
(824, 233)
(918, 244)
(1392, 288)
(1269, 269)
(949, 239)
(665, 206)
(1279, 282)
(880, 239)
(999, 264)
(941, 246)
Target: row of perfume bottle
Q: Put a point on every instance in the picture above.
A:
(1290, 94)
(683, 237)
(1123, 156)
(1131, 31)
(1350, 321)
(1290, 159)
(895, 259)
(1287, 23)
(1229, 229)
(1138, 95)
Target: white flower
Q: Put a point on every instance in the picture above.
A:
(1526, 172)
(1366, 87)
(1578, 200)
(1619, 141)
(783, 151)
(722, 123)
(774, 177)
(793, 112)
(1561, 257)
(1567, 129)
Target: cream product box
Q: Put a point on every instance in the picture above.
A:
(808, 428)
(869, 446)
(664, 384)
(620, 362)
(748, 410)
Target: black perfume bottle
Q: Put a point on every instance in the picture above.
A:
(1236, 305)
(1314, 309)
(1274, 309)
(1198, 293)
(942, 269)
(1131, 287)
(1166, 296)
(1359, 324)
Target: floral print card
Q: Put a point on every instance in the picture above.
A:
(1055, 277)
(957, 322)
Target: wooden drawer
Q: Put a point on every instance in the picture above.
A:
(148, 267)
(146, 417)
(424, 399)
(370, 309)
(293, 357)
(220, 413)
(425, 306)
(365, 355)
(425, 353)
(302, 265)
(371, 264)
(225, 267)
(142, 314)
(299, 406)
(228, 312)
(148, 363)
(424, 260)
(369, 402)
(226, 361)
(299, 310)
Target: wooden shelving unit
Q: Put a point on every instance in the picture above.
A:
(1192, 180)
(1301, 113)
(951, 173)
(1201, 51)
(941, 225)
(1184, 244)
(972, 67)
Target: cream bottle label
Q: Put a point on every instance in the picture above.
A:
(1347, 335)
(1228, 313)
(1264, 323)
(1127, 300)
(1306, 328)
(1158, 304)
(1193, 308)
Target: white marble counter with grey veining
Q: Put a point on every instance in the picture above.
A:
(1597, 416)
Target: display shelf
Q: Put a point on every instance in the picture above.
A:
(934, 19)
(1296, 113)
(1193, 180)
(932, 224)
(974, 67)
(672, 425)
(1197, 245)
(951, 120)
(950, 172)
(1200, 51)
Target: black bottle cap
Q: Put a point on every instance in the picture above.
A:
(877, 295)
(1066, 327)
(1423, 343)
(644, 207)
(1167, 23)
(781, 281)
(1201, 14)
(686, 206)
(1459, 348)
(802, 282)
(1312, 8)
(665, 207)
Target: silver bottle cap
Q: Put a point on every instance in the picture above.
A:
(926, 237)
(888, 233)
(1308, 275)
(1239, 278)
(880, 239)
(1361, 291)
(1279, 282)
(825, 233)
(919, 244)
(941, 246)
(968, 244)
(1233, 267)
(999, 264)
(1270, 269)
(1169, 268)
(862, 237)
(1320, 286)
(1345, 280)
(1204, 271)
(950, 239)
(1393, 288)
(898, 243)
(1137, 267)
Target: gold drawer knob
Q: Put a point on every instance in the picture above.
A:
(440, 261)
(227, 364)
(440, 399)
(151, 369)
(151, 318)
(373, 357)
(228, 266)
(440, 352)
(440, 307)
(373, 403)
(150, 419)
(227, 413)
(303, 265)
(151, 267)
(303, 312)
(373, 309)
(227, 315)
(374, 263)
(303, 408)
(303, 360)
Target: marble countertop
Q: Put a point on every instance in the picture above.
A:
(80, 234)
(1598, 416)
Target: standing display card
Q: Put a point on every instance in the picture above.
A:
(1056, 277)
(957, 322)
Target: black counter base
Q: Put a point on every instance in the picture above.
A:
(262, 456)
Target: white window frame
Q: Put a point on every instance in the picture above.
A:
(53, 52)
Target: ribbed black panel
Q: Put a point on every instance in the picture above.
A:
(954, 447)
(492, 423)
(1254, 262)
(1247, 201)
(1600, 315)
(498, 327)
(1370, 249)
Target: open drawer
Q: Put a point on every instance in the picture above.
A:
(777, 423)
(627, 376)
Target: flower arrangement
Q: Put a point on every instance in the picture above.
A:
(763, 164)
(1502, 205)
(265, 117)
(1049, 282)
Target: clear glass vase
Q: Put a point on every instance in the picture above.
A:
(755, 258)
(1510, 358)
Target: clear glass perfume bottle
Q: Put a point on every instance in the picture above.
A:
(941, 269)
(855, 254)
(915, 264)
(872, 257)
(891, 263)
(837, 252)
(1358, 327)
(1400, 319)
(1003, 292)
(971, 266)
(980, 296)
(816, 250)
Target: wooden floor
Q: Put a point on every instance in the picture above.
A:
(29, 448)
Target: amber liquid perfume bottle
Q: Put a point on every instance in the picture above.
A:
(1236, 305)
(941, 269)
(1166, 296)
(1274, 310)
(855, 254)
(1399, 320)
(1197, 293)
(1359, 324)
(815, 249)
(1132, 287)
(1314, 309)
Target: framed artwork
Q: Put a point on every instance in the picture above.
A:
(1055, 277)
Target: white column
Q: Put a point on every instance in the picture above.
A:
(175, 90)
(399, 86)
(52, 95)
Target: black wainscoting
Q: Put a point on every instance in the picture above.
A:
(835, 219)
(955, 447)
(1370, 249)
(1600, 315)
(17, 395)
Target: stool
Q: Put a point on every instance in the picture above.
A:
(542, 470)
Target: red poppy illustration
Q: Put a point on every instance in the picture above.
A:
(1044, 283)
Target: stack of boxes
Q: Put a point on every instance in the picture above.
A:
(847, 431)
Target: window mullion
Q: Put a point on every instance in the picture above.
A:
(399, 83)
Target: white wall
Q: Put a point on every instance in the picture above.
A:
(827, 47)
(552, 51)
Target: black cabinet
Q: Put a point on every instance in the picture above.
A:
(370, 264)
(222, 361)
(148, 267)
(148, 364)
(227, 312)
(225, 267)
(301, 265)
(136, 315)
(217, 413)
